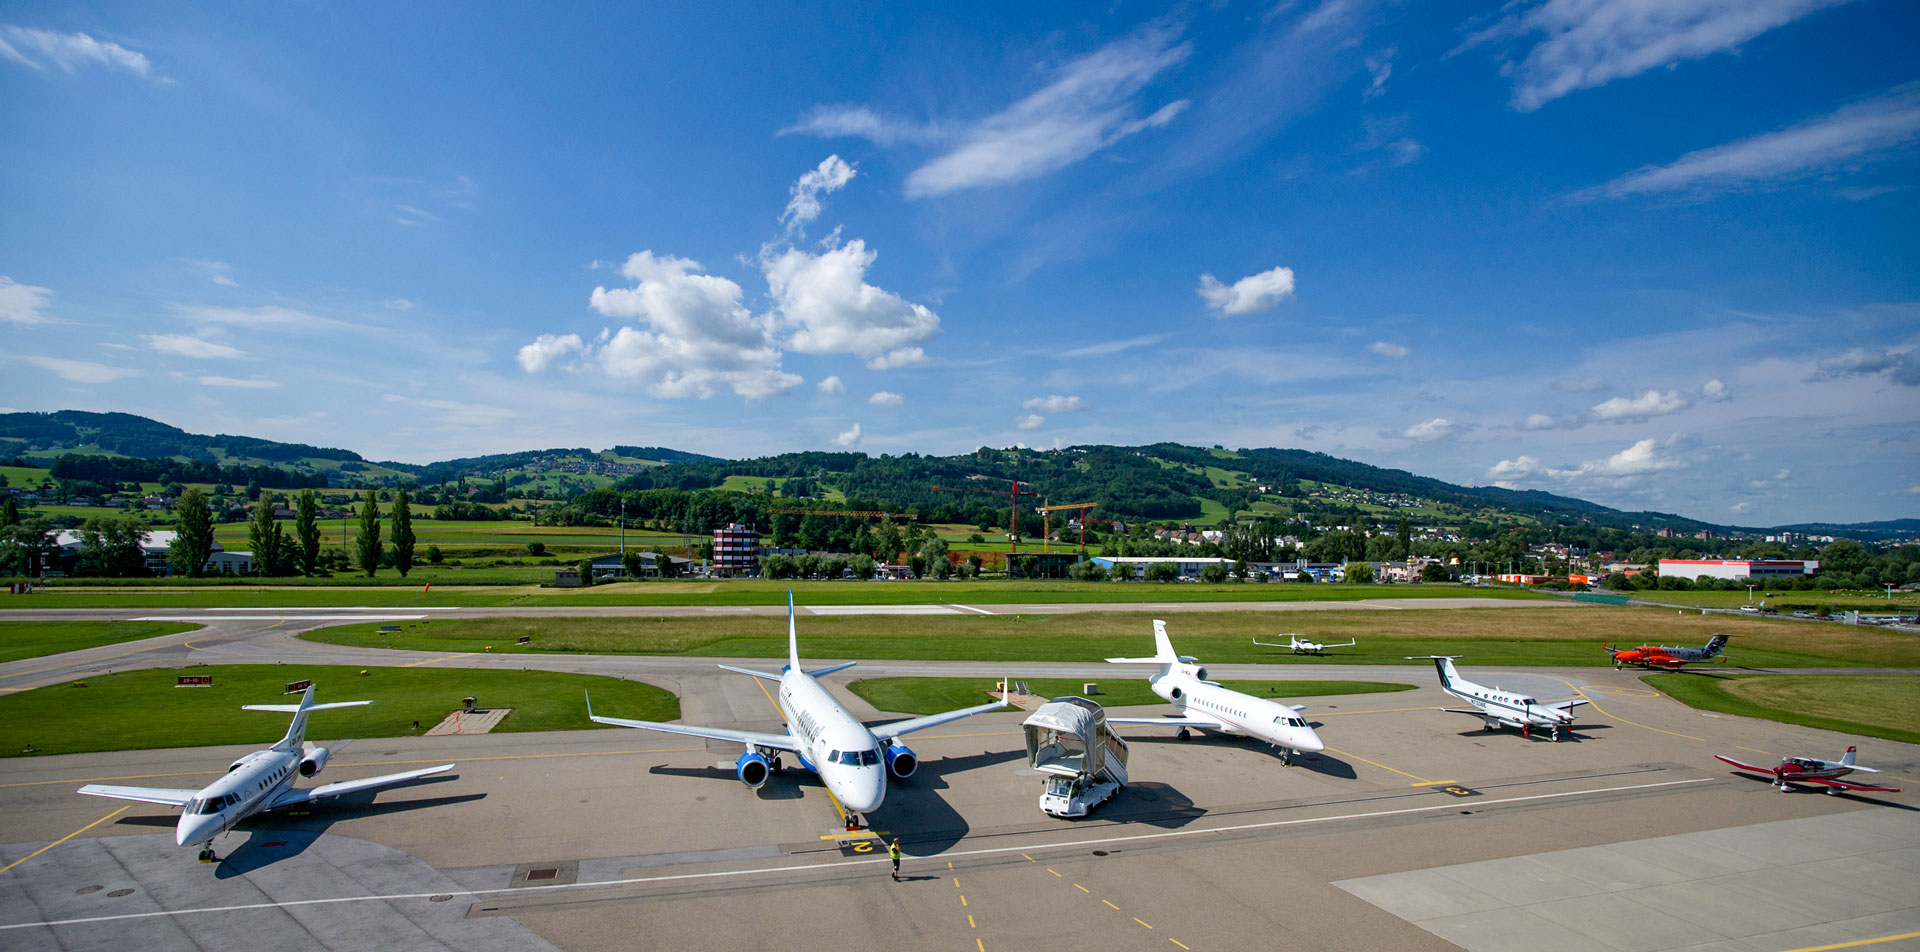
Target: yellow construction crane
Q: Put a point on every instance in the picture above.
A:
(841, 512)
(1046, 531)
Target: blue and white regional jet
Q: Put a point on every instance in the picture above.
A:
(260, 781)
(821, 734)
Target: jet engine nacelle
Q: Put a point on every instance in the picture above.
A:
(752, 769)
(1193, 671)
(901, 760)
(314, 762)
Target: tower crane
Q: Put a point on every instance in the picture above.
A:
(1013, 507)
(1046, 532)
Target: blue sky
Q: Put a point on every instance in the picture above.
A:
(1653, 253)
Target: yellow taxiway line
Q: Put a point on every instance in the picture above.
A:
(1818, 948)
(1419, 781)
(65, 838)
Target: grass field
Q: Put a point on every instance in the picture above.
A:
(1790, 601)
(313, 593)
(140, 710)
(1869, 705)
(34, 639)
(933, 695)
(1486, 636)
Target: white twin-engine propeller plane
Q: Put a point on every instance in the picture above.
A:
(1206, 705)
(260, 781)
(826, 739)
(1301, 645)
(1501, 708)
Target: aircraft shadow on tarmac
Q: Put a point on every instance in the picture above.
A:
(1540, 735)
(1837, 794)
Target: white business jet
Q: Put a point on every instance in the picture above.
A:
(1499, 708)
(1206, 705)
(820, 734)
(1301, 645)
(260, 781)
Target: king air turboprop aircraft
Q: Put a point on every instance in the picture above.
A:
(1501, 708)
(1662, 656)
(260, 781)
(820, 734)
(1206, 705)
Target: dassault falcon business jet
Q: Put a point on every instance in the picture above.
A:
(1207, 705)
(821, 734)
(1501, 708)
(260, 781)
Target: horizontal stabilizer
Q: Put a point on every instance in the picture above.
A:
(818, 672)
(295, 708)
(768, 675)
(291, 797)
(1567, 705)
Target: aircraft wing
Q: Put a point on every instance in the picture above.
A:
(1729, 760)
(291, 797)
(908, 726)
(166, 795)
(749, 738)
(1567, 705)
(1842, 784)
(1476, 712)
(1172, 720)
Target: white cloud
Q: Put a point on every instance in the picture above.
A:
(538, 356)
(1650, 404)
(1539, 421)
(832, 386)
(1104, 348)
(219, 272)
(1249, 295)
(832, 175)
(848, 439)
(1055, 403)
(1644, 457)
(1580, 385)
(1741, 507)
(268, 316)
(1589, 43)
(412, 216)
(1031, 421)
(250, 383)
(826, 299)
(1389, 349)
(1516, 468)
(1715, 390)
(864, 123)
(397, 304)
(1433, 429)
(1902, 368)
(22, 303)
(187, 345)
(1085, 109)
(81, 371)
(1380, 67)
(886, 398)
(1849, 136)
(1913, 490)
(700, 338)
(69, 52)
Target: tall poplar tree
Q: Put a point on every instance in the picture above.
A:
(193, 539)
(306, 532)
(368, 544)
(402, 533)
(267, 537)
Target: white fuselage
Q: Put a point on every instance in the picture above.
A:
(1242, 714)
(833, 743)
(253, 782)
(1508, 707)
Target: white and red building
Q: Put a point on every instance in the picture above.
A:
(736, 550)
(1738, 570)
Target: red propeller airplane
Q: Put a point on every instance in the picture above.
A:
(1661, 656)
(1816, 771)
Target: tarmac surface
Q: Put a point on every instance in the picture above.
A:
(612, 839)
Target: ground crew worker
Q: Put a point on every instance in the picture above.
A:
(893, 853)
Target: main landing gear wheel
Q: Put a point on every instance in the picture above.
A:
(207, 856)
(1181, 734)
(775, 765)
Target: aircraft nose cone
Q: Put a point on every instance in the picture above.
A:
(192, 831)
(1313, 744)
(861, 795)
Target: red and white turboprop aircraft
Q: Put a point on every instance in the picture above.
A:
(1826, 773)
(1672, 658)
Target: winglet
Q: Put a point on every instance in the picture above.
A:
(589, 695)
(793, 637)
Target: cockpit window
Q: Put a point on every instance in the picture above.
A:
(1528, 700)
(869, 757)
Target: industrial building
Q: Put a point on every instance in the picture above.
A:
(736, 550)
(1738, 570)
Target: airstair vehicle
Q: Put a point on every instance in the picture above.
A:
(1068, 738)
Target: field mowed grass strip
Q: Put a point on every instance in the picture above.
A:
(36, 639)
(1557, 636)
(934, 695)
(1886, 706)
(142, 710)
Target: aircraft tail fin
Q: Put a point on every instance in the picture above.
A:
(1163, 650)
(793, 636)
(1846, 760)
(1442, 664)
(1716, 643)
(297, 731)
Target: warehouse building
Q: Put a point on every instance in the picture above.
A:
(1738, 570)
